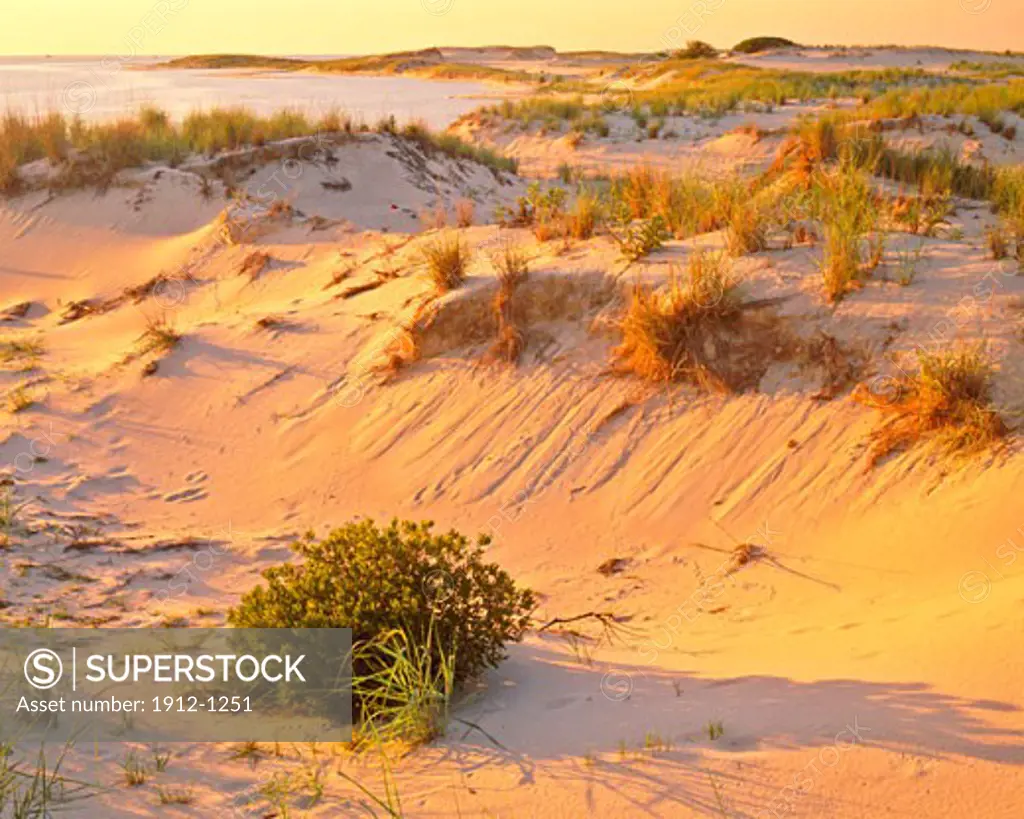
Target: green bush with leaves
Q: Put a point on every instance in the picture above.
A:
(437, 590)
(696, 50)
(755, 45)
(641, 238)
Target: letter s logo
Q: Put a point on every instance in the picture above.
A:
(43, 669)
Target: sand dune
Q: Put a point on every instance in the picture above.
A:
(860, 659)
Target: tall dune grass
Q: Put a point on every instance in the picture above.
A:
(843, 201)
(964, 98)
(713, 88)
(102, 149)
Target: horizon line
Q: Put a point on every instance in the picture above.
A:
(154, 55)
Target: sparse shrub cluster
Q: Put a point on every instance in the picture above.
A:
(640, 238)
(547, 212)
(754, 45)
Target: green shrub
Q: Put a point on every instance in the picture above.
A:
(437, 590)
(642, 238)
(696, 50)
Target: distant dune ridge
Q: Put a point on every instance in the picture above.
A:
(411, 61)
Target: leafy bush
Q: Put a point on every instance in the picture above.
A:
(640, 239)
(436, 590)
(696, 50)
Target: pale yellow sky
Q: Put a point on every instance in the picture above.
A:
(125, 27)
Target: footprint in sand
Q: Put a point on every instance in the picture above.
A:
(186, 495)
(191, 493)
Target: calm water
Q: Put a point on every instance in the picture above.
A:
(104, 90)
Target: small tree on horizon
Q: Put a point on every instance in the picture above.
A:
(696, 50)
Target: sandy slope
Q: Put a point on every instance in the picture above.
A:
(864, 664)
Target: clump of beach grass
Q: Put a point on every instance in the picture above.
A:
(36, 786)
(948, 400)
(87, 153)
(446, 260)
(745, 226)
(465, 213)
(159, 336)
(452, 146)
(843, 200)
(583, 218)
(512, 266)
(665, 331)
(998, 242)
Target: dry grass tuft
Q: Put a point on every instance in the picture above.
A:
(446, 260)
(435, 218)
(513, 267)
(813, 141)
(19, 399)
(400, 350)
(160, 336)
(947, 400)
(752, 130)
(465, 213)
(746, 228)
(673, 334)
(586, 214)
(998, 243)
(254, 264)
